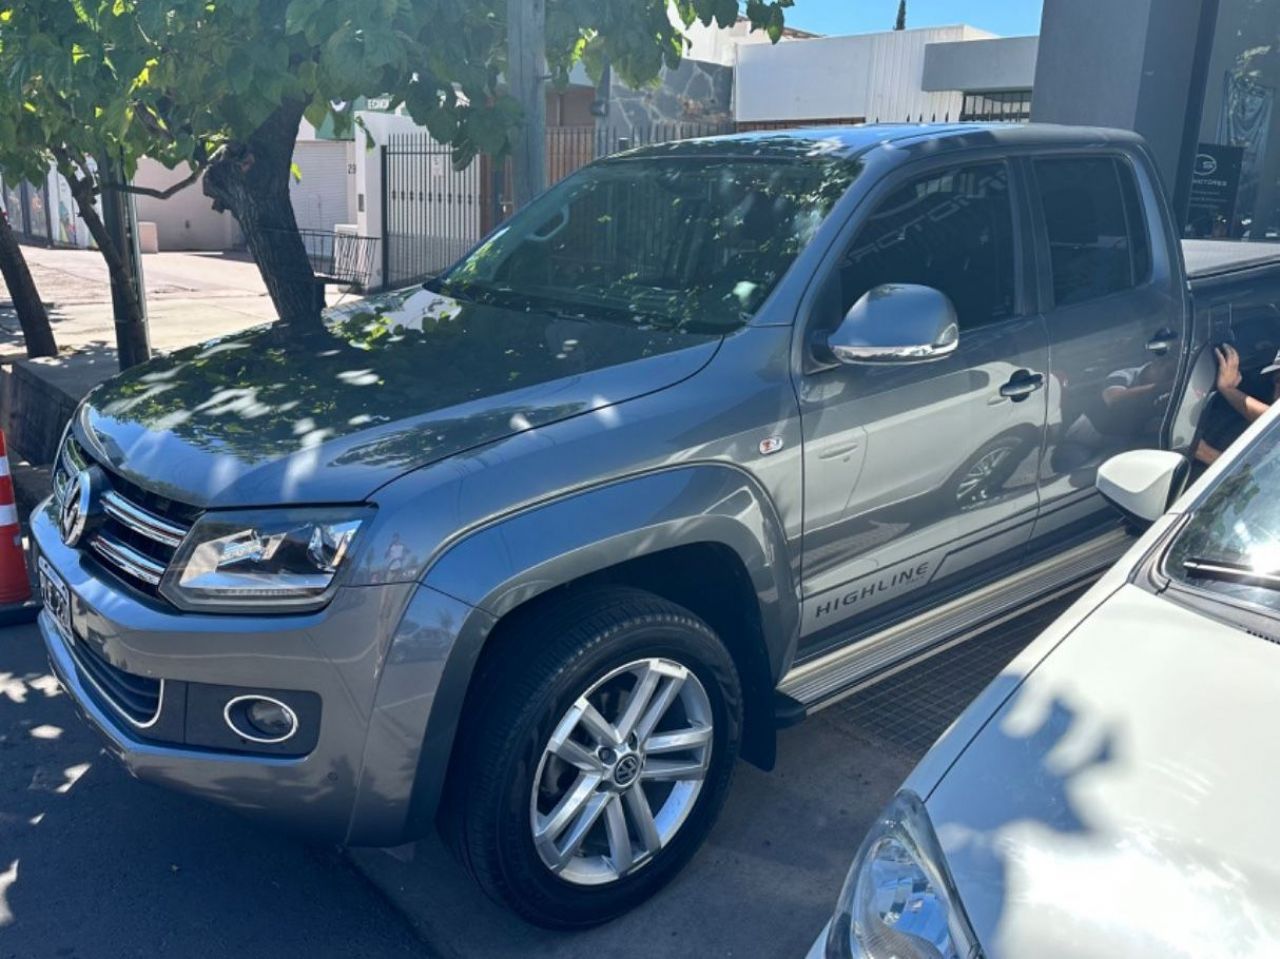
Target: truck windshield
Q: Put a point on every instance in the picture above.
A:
(686, 243)
(1231, 544)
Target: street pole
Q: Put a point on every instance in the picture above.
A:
(526, 79)
(120, 217)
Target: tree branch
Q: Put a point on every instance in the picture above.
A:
(157, 194)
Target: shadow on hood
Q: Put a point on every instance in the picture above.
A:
(276, 415)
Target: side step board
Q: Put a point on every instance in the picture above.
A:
(843, 672)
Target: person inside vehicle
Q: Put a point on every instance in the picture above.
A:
(1248, 407)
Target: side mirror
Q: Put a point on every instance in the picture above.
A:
(897, 323)
(1142, 484)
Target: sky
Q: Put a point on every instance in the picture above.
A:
(1009, 18)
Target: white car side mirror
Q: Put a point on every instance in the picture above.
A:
(1142, 483)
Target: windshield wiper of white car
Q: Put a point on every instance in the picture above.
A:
(1211, 568)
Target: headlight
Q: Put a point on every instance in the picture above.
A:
(898, 901)
(277, 560)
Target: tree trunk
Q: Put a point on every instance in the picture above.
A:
(132, 343)
(32, 315)
(251, 179)
(527, 69)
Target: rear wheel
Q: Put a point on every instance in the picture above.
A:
(597, 757)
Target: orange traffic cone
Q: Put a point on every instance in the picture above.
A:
(15, 585)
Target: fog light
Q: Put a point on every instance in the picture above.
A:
(260, 719)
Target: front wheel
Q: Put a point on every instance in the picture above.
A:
(596, 759)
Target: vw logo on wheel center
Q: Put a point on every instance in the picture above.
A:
(79, 503)
(628, 768)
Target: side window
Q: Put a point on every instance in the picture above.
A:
(1098, 242)
(951, 230)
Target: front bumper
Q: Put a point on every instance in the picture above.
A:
(335, 655)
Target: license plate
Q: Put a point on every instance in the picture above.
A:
(56, 598)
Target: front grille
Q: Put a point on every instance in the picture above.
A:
(136, 698)
(139, 532)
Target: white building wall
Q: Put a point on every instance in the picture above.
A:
(715, 44)
(186, 220)
(1004, 63)
(875, 76)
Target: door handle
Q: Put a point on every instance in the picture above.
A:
(1021, 385)
(1162, 342)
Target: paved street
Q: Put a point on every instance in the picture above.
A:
(191, 297)
(94, 865)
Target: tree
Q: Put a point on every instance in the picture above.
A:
(222, 86)
(70, 72)
(901, 22)
(32, 316)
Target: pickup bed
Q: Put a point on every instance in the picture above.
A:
(708, 436)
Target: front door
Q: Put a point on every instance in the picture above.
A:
(915, 473)
(1114, 315)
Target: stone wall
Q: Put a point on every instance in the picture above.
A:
(694, 92)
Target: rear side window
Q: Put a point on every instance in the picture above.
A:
(951, 230)
(1098, 242)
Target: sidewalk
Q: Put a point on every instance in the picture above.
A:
(191, 297)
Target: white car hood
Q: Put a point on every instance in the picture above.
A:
(1125, 801)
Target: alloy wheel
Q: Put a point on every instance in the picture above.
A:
(621, 771)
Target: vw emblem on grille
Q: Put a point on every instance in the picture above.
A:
(79, 505)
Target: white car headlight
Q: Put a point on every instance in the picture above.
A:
(273, 560)
(898, 901)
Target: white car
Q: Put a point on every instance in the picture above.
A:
(1115, 792)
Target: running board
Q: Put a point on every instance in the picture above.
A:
(842, 672)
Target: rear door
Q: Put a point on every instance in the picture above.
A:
(1114, 314)
(916, 474)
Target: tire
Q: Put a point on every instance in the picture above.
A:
(601, 645)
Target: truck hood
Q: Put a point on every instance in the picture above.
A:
(1123, 801)
(389, 384)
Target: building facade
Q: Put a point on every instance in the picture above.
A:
(932, 74)
(1198, 78)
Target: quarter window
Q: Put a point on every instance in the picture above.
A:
(952, 231)
(1098, 241)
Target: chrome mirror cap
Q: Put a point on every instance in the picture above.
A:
(897, 323)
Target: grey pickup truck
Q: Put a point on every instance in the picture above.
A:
(708, 436)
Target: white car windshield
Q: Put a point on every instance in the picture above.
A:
(1231, 543)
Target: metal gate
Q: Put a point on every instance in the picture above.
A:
(430, 211)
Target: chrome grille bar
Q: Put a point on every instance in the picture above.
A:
(142, 521)
(127, 559)
(136, 541)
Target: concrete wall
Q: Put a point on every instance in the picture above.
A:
(1127, 65)
(1003, 63)
(185, 221)
(878, 76)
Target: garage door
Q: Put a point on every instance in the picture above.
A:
(320, 197)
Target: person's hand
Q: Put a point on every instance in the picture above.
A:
(1228, 367)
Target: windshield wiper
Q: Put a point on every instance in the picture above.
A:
(1211, 568)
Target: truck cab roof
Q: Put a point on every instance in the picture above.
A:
(850, 141)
